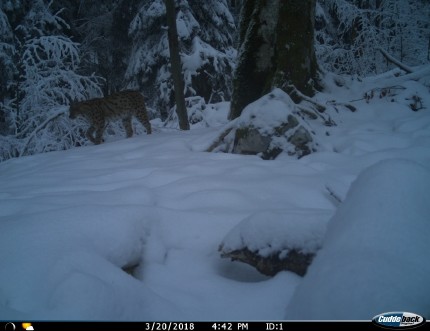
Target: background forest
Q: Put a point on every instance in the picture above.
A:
(53, 52)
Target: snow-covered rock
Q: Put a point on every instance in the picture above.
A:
(267, 127)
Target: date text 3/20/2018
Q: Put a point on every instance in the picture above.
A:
(218, 326)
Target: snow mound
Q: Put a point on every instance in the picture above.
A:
(375, 255)
(277, 232)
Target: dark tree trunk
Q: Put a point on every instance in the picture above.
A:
(176, 66)
(255, 55)
(277, 50)
(296, 62)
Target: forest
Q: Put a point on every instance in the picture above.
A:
(55, 52)
(279, 172)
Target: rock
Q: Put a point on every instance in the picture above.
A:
(294, 261)
(268, 127)
(301, 139)
(250, 141)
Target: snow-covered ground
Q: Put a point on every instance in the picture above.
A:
(70, 221)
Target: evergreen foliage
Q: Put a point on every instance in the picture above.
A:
(206, 33)
(43, 79)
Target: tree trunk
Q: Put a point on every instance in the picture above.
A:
(296, 62)
(277, 50)
(176, 66)
(255, 56)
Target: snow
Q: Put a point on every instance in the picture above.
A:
(271, 232)
(276, 105)
(374, 257)
(71, 220)
(186, 24)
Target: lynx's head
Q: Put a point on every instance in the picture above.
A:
(74, 110)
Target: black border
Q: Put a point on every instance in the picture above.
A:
(200, 326)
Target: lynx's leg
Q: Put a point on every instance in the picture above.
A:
(100, 127)
(90, 134)
(127, 126)
(142, 116)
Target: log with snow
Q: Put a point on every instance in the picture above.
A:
(274, 241)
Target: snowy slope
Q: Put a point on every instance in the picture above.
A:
(69, 221)
(375, 255)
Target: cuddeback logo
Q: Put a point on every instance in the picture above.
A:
(398, 320)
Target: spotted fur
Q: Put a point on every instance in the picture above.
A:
(121, 105)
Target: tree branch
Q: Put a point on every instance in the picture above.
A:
(393, 60)
(36, 130)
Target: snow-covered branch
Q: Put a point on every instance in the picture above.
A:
(40, 127)
(395, 61)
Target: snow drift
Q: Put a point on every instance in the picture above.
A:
(375, 255)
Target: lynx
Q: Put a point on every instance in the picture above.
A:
(122, 105)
